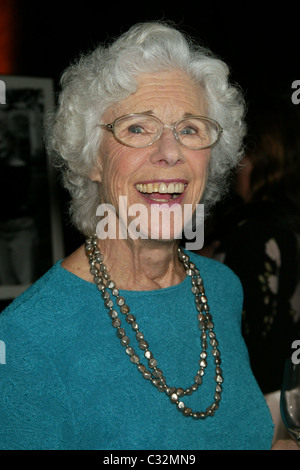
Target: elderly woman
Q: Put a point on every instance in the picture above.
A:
(133, 342)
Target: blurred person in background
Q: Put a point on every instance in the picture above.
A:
(256, 233)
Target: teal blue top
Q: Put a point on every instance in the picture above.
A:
(68, 384)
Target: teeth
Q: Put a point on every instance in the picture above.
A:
(171, 188)
(161, 188)
(149, 188)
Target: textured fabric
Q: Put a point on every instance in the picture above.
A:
(68, 383)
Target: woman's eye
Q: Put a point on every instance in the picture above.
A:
(188, 131)
(135, 129)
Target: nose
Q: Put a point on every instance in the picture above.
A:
(167, 151)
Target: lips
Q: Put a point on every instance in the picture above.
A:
(162, 191)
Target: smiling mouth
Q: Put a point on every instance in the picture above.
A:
(161, 191)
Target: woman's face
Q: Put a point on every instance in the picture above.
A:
(143, 175)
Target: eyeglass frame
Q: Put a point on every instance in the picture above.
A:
(111, 127)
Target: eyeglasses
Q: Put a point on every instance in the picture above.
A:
(141, 130)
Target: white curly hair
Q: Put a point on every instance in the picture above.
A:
(107, 75)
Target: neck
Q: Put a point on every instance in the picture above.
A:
(142, 264)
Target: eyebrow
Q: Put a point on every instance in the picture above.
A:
(151, 112)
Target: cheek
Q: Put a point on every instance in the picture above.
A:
(111, 184)
(120, 164)
(115, 178)
(200, 169)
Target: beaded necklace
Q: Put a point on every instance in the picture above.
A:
(110, 293)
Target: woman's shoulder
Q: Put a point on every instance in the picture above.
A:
(49, 299)
(40, 291)
(211, 266)
(223, 287)
(218, 277)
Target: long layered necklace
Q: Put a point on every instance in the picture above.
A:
(111, 296)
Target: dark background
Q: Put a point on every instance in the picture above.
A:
(260, 43)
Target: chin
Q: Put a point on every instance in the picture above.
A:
(155, 222)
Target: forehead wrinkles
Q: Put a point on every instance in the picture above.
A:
(167, 92)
